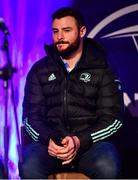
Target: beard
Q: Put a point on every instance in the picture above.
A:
(66, 53)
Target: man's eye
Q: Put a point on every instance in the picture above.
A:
(67, 30)
(55, 32)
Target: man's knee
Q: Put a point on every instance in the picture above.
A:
(29, 170)
(106, 168)
(25, 170)
(33, 161)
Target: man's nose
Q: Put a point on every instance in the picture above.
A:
(60, 36)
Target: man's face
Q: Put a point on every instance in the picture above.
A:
(66, 35)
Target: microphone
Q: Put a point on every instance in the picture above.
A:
(6, 72)
(3, 26)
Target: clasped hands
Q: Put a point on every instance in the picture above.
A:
(66, 152)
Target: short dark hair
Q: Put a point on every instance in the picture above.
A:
(69, 11)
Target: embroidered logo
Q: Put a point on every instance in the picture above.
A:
(86, 77)
(52, 77)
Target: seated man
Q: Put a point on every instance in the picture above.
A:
(72, 105)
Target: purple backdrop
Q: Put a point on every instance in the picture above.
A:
(29, 23)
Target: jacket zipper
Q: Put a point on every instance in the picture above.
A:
(65, 103)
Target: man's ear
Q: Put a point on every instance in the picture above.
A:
(82, 31)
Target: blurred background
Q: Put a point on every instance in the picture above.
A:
(113, 23)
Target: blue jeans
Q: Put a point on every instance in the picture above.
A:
(100, 161)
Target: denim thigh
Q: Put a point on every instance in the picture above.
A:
(37, 163)
(100, 161)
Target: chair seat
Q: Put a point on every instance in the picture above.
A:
(68, 175)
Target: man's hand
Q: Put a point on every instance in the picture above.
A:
(53, 148)
(69, 150)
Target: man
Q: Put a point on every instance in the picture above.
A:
(72, 105)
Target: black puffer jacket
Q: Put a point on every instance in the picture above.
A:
(86, 102)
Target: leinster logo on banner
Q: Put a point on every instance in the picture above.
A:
(130, 31)
(118, 32)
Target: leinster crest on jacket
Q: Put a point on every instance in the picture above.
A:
(86, 77)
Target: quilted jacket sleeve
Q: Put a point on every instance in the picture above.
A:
(109, 110)
(34, 109)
